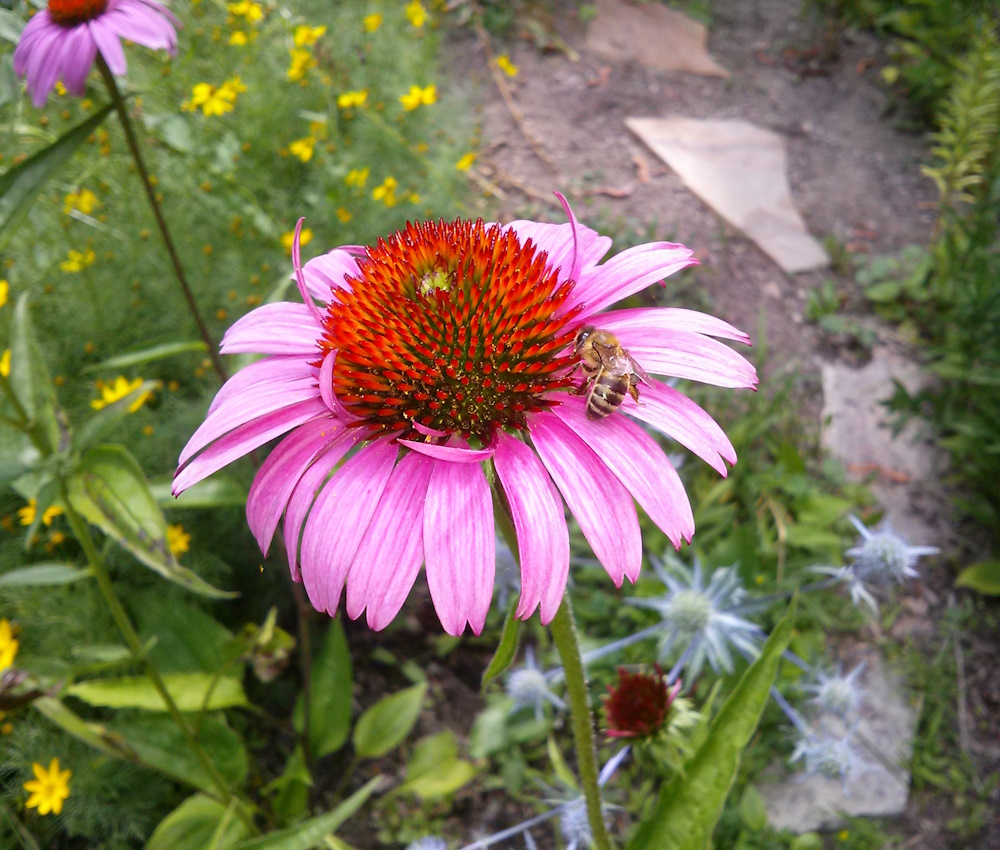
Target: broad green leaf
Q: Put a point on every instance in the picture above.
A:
(10, 26)
(147, 355)
(174, 129)
(109, 489)
(187, 638)
(807, 841)
(690, 805)
(20, 184)
(311, 833)
(191, 692)
(435, 770)
(29, 378)
(103, 422)
(983, 577)
(489, 730)
(385, 725)
(506, 649)
(197, 824)
(753, 809)
(216, 492)
(431, 751)
(97, 735)
(291, 789)
(330, 695)
(43, 574)
(161, 745)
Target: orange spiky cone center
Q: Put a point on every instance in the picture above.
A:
(451, 327)
(70, 13)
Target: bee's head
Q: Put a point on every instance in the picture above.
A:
(581, 338)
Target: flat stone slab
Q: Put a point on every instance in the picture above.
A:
(739, 170)
(883, 739)
(652, 35)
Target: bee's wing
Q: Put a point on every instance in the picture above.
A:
(638, 370)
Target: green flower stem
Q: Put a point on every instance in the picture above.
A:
(82, 534)
(564, 636)
(175, 260)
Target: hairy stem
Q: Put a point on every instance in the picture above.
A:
(175, 260)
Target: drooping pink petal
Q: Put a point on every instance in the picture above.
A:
(44, 66)
(557, 241)
(273, 485)
(682, 420)
(244, 440)
(599, 501)
(669, 319)
(455, 454)
(78, 57)
(392, 549)
(639, 463)
(276, 371)
(108, 43)
(282, 328)
(629, 272)
(328, 272)
(340, 520)
(459, 545)
(540, 524)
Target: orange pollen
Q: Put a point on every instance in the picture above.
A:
(436, 309)
(69, 13)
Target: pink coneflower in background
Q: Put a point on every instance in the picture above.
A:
(62, 41)
(438, 361)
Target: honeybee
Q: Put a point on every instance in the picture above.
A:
(611, 371)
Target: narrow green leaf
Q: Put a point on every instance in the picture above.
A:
(198, 823)
(191, 692)
(330, 696)
(97, 735)
(219, 491)
(103, 422)
(983, 577)
(20, 184)
(690, 805)
(147, 355)
(506, 649)
(110, 490)
(753, 809)
(29, 378)
(291, 789)
(385, 725)
(559, 766)
(38, 575)
(446, 778)
(311, 833)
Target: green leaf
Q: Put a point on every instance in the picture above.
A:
(219, 491)
(983, 577)
(690, 804)
(330, 695)
(753, 809)
(187, 638)
(29, 378)
(311, 833)
(291, 789)
(435, 770)
(103, 422)
(174, 129)
(191, 692)
(199, 823)
(147, 355)
(43, 574)
(807, 841)
(559, 766)
(110, 491)
(97, 735)
(385, 725)
(11, 26)
(506, 649)
(20, 184)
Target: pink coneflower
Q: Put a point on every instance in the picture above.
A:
(62, 41)
(439, 361)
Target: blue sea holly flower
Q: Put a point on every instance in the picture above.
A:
(429, 842)
(704, 620)
(847, 576)
(884, 557)
(836, 694)
(529, 687)
(829, 756)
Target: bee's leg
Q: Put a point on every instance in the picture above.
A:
(633, 391)
(588, 379)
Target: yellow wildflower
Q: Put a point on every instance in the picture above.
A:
(351, 99)
(357, 177)
(5, 363)
(48, 789)
(83, 200)
(247, 9)
(465, 163)
(8, 645)
(305, 36)
(4, 292)
(372, 22)
(305, 237)
(418, 97)
(302, 61)
(302, 148)
(178, 540)
(215, 100)
(26, 515)
(117, 391)
(343, 215)
(505, 65)
(60, 88)
(386, 193)
(238, 38)
(416, 13)
(77, 261)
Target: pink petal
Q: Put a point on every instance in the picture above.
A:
(542, 537)
(271, 371)
(326, 274)
(273, 485)
(687, 355)
(460, 545)
(557, 241)
(44, 65)
(245, 439)
(455, 454)
(681, 419)
(639, 463)
(391, 550)
(669, 319)
(339, 521)
(110, 46)
(77, 59)
(599, 501)
(629, 272)
(282, 328)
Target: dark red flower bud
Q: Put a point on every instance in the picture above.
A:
(639, 705)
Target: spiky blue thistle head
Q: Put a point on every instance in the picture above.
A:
(529, 687)
(884, 557)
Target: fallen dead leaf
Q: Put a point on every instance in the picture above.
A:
(611, 191)
(641, 168)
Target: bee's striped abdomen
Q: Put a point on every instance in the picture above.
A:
(606, 394)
